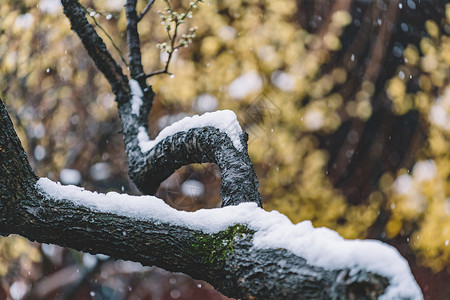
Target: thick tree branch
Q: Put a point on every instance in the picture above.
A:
(226, 259)
(13, 163)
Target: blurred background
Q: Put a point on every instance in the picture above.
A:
(347, 104)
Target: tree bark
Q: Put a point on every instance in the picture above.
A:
(226, 259)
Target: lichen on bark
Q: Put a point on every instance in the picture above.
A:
(216, 247)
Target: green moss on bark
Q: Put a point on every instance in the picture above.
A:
(216, 247)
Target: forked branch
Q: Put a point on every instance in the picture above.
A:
(201, 144)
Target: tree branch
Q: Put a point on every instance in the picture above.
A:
(198, 145)
(97, 49)
(136, 69)
(239, 182)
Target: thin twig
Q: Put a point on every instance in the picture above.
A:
(122, 57)
(163, 71)
(172, 38)
(168, 4)
(146, 9)
(166, 67)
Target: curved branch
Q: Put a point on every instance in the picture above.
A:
(198, 145)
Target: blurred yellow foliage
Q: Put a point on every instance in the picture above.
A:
(17, 250)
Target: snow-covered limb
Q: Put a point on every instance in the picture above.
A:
(320, 247)
(224, 120)
(242, 250)
(245, 256)
(198, 145)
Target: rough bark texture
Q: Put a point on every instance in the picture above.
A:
(279, 274)
(200, 145)
(16, 176)
(225, 259)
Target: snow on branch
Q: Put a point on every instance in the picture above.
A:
(224, 120)
(136, 97)
(320, 247)
(196, 145)
(47, 211)
(214, 137)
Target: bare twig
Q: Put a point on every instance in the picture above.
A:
(119, 52)
(163, 71)
(146, 9)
